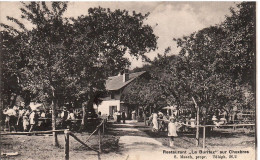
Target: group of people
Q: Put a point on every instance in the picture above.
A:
(174, 122)
(163, 122)
(118, 116)
(68, 118)
(22, 118)
(26, 119)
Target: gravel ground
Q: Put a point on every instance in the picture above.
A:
(40, 147)
(130, 141)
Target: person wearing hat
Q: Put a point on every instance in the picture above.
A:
(172, 130)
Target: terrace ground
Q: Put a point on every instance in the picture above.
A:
(133, 140)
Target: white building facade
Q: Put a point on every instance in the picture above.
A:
(115, 86)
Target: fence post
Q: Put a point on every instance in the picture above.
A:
(66, 145)
(198, 122)
(204, 137)
(99, 139)
(198, 128)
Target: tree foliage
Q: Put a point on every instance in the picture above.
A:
(240, 43)
(215, 66)
(219, 61)
(68, 59)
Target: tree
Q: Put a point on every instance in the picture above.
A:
(111, 34)
(107, 36)
(199, 64)
(69, 59)
(240, 44)
(11, 61)
(143, 92)
(150, 92)
(43, 74)
(218, 62)
(225, 54)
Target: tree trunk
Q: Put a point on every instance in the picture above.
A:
(55, 138)
(198, 122)
(144, 117)
(87, 107)
(197, 129)
(83, 121)
(2, 108)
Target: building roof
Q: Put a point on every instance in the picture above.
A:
(116, 82)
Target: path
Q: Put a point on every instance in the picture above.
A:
(137, 145)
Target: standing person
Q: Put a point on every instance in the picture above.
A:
(172, 130)
(48, 113)
(155, 122)
(115, 116)
(118, 117)
(19, 122)
(26, 121)
(133, 115)
(64, 116)
(160, 121)
(11, 118)
(15, 118)
(33, 120)
(235, 117)
(7, 119)
(70, 120)
(123, 116)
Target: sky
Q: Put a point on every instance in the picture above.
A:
(168, 19)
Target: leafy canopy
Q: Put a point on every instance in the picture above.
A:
(69, 59)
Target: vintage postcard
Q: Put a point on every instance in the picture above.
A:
(120, 80)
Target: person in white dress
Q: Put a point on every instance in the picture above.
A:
(26, 121)
(172, 130)
(155, 122)
(215, 120)
(71, 116)
(33, 118)
(115, 116)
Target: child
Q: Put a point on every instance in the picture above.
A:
(25, 123)
(172, 130)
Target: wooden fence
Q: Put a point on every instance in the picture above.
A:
(34, 132)
(68, 133)
(204, 131)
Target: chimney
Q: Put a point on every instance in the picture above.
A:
(125, 75)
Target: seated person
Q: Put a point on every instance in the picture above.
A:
(43, 115)
(71, 115)
(192, 122)
(222, 121)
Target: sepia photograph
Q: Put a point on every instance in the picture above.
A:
(122, 80)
